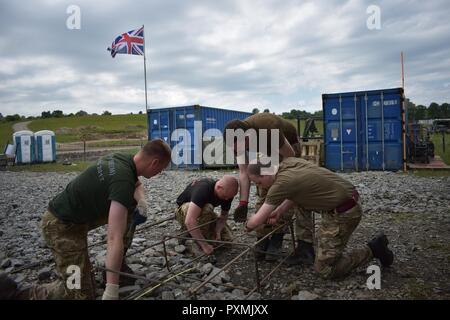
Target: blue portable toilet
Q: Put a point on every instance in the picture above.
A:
(45, 146)
(24, 142)
(364, 130)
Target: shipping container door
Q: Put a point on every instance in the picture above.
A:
(184, 137)
(382, 118)
(393, 124)
(341, 132)
(374, 153)
(159, 124)
(214, 149)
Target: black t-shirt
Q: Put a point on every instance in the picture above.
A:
(201, 192)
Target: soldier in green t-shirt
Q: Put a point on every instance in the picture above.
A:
(268, 248)
(298, 182)
(108, 192)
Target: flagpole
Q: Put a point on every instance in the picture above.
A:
(145, 75)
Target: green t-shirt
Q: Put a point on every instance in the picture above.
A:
(309, 186)
(88, 197)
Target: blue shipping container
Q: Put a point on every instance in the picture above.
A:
(364, 130)
(164, 122)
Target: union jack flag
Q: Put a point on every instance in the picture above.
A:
(131, 42)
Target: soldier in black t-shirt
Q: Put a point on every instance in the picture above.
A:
(196, 207)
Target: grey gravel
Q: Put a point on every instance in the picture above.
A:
(413, 211)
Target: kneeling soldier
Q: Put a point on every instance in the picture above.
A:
(303, 184)
(196, 207)
(108, 192)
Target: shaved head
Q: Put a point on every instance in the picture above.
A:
(230, 183)
(227, 187)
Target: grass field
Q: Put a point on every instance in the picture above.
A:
(437, 140)
(116, 143)
(6, 132)
(76, 166)
(73, 129)
(430, 173)
(116, 127)
(51, 167)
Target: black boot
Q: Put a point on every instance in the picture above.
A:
(380, 250)
(304, 253)
(10, 290)
(8, 287)
(261, 247)
(275, 247)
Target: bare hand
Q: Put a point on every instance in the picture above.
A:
(273, 218)
(207, 249)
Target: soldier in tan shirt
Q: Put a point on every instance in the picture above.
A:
(289, 146)
(300, 183)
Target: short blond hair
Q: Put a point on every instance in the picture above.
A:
(157, 148)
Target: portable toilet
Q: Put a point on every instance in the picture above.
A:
(45, 146)
(24, 142)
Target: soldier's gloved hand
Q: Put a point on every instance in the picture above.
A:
(138, 218)
(240, 213)
(111, 292)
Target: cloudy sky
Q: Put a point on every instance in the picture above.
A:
(229, 54)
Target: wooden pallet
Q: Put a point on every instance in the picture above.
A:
(311, 150)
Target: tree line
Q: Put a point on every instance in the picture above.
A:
(295, 113)
(415, 112)
(433, 111)
(52, 114)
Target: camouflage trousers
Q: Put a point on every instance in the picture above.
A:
(207, 215)
(68, 243)
(334, 232)
(303, 222)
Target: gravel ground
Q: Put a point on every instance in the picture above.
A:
(413, 211)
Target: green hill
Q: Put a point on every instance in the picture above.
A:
(76, 128)
(73, 129)
(6, 132)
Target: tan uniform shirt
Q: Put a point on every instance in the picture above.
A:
(270, 121)
(309, 186)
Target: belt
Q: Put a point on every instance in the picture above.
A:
(349, 204)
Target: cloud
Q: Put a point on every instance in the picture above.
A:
(227, 54)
